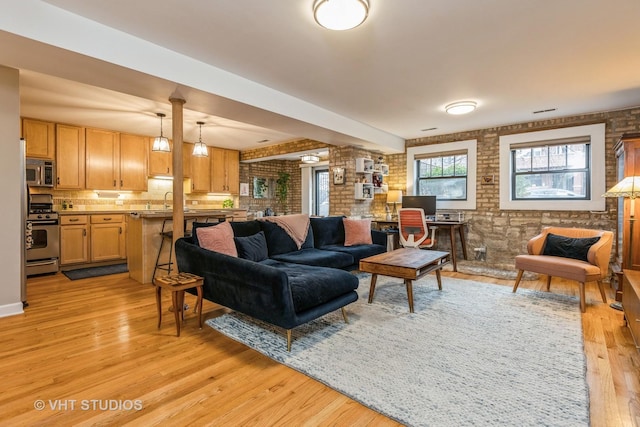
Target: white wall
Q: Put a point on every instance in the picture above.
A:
(10, 193)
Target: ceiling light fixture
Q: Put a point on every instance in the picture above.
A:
(461, 107)
(200, 148)
(161, 143)
(340, 14)
(310, 158)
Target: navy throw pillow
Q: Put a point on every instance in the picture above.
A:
(568, 247)
(253, 248)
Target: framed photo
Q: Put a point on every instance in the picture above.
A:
(244, 188)
(338, 176)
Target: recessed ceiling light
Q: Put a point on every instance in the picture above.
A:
(461, 107)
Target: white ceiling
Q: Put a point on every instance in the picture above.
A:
(256, 69)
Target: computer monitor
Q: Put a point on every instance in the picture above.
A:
(427, 203)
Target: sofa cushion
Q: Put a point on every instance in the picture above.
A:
(245, 228)
(314, 286)
(357, 231)
(568, 247)
(357, 252)
(217, 238)
(253, 248)
(279, 242)
(328, 231)
(317, 257)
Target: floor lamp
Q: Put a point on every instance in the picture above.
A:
(628, 187)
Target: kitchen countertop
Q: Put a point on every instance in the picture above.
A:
(158, 213)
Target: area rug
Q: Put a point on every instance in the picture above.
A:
(84, 273)
(472, 354)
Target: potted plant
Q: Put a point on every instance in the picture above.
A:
(282, 190)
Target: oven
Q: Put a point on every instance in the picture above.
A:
(43, 236)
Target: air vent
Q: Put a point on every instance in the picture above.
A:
(262, 141)
(427, 129)
(545, 111)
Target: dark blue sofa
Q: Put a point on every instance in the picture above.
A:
(291, 286)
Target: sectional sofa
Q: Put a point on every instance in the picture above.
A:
(273, 278)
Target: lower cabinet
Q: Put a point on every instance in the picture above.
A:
(93, 238)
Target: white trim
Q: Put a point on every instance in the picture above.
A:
(598, 172)
(472, 157)
(11, 309)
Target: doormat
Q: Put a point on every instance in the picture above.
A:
(85, 273)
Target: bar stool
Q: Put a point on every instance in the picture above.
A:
(167, 236)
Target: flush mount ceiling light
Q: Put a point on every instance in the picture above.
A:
(161, 143)
(200, 148)
(310, 158)
(340, 14)
(462, 107)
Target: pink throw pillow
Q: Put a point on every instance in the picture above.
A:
(357, 232)
(218, 238)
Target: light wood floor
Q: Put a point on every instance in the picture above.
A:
(96, 339)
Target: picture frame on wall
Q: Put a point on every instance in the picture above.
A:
(338, 176)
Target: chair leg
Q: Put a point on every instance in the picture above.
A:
(518, 278)
(344, 315)
(602, 293)
(288, 339)
(582, 297)
(548, 283)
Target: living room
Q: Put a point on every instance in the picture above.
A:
(99, 341)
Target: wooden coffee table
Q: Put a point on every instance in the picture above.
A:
(405, 263)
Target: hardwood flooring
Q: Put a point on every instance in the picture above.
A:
(90, 351)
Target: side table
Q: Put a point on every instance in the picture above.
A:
(177, 284)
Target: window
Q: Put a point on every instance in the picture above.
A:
(446, 170)
(551, 170)
(558, 169)
(444, 176)
(321, 192)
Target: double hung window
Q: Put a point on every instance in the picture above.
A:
(443, 175)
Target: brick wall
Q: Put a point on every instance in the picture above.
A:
(269, 169)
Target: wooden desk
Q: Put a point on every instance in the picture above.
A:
(383, 225)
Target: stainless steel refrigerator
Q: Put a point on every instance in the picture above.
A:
(24, 210)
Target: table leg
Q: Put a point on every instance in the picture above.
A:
(199, 305)
(452, 237)
(439, 279)
(372, 288)
(159, 304)
(463, 241)
(177, 309)
(409, 286)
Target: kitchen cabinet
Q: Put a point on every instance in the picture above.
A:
(225, 170)
(108, 238)
(133, 162)
(201, 174)
(160, 162)
(102, 154)
(74, 239)
(70, 157)
(40, 138)
(187, 155)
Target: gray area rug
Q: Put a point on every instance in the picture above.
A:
(473, 354)
(84, 273)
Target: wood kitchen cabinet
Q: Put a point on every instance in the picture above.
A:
(201, 174)
(133, 162)
(40, 138)
(187, 155)
(70, 157)
(108, 238)
(74, 239)
(160, 162)
(225, 170)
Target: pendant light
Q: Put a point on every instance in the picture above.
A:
(200, 149)
(161, 143)
(310, 158)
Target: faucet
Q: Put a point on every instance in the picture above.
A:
(165, 204)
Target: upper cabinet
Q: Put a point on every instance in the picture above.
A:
(160, 162)
(40, 138)
(187, 154)
(133, 162)
(225, 170)
(201, 174)
(70, 157)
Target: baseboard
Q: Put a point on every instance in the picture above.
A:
(11, 309)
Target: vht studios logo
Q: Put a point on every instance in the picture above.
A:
(88, 405)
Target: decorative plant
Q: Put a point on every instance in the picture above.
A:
(227, 203)
(282, 189)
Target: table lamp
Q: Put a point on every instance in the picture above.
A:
(628, 187)
(394, 196)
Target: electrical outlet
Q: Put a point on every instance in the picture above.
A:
(119, 202)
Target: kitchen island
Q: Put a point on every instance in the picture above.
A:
(144, 238)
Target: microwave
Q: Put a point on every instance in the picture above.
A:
(40, 172)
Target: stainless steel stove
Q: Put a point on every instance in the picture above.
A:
(43, 236)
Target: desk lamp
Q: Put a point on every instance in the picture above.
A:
(628, 187)
(394, 196)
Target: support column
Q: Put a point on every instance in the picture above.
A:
(177, 118)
